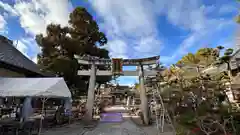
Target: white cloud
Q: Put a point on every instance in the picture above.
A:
(37, 14)
(129, 26)
(166, 60)
(21, 47)
(117, 49)
(34, 59)
(146, 42)
(237, 39)
(2, 24)
(33, 48)
(8, 8)
(194, 17)
(127, 80)
(34, 16)
(200, 38)
(133, 25)
(192, 39)
(148, 46)
(190, 16)
(28, 47)
(228, 9)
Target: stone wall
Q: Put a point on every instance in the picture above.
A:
(8, 73)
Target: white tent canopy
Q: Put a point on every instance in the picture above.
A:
(36, 87)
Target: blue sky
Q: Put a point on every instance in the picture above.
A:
(135, 28)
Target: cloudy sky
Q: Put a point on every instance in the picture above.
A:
(135, 28)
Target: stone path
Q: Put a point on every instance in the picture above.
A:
(72, 129)
(127, 127)
(124, 128)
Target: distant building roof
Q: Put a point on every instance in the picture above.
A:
(12, 56)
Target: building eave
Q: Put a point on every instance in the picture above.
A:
(21, 70)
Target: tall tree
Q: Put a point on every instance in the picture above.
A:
(60, 44)
(226, 58)
(203, 57)
(206, 55)
(190, 58)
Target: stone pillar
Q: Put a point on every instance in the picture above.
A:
(133, 101)
(128, 101)
(91, 91)
(143, 96)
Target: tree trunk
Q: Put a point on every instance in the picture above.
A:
(91, 92)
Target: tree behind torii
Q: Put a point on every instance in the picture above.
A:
(60, 45)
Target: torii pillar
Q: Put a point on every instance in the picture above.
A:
(91, 92)
(93, 73)
(143, 96)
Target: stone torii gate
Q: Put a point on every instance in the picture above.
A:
(93, 72)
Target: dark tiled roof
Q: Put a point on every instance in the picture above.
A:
(10, 55)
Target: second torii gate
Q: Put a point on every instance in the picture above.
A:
(93, 72)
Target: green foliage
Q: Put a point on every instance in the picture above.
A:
(237, 18)
(208, 90)
(228, 52)
(226, 59)
(189, 59)
(181, 130)
(60, 44)
(220, 47)
(85, 29)
(188, 119)
(204, 57)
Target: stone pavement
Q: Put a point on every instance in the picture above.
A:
(72, 129)
(124, 128)
(129, 126)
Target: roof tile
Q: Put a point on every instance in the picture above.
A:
(10, 55)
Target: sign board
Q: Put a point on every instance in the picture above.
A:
(117, 66)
